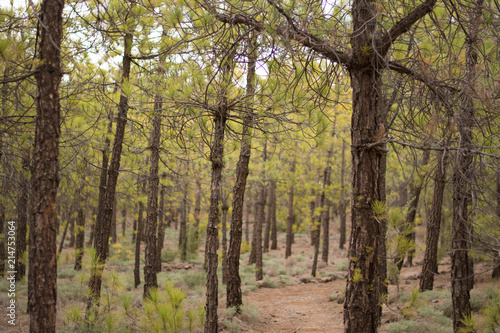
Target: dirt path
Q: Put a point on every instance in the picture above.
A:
(298, 308)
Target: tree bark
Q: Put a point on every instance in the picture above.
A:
(224, 209)
(103, 225)
(430, 265)
(151, 255)
(234, 296)
(269, 216)
(325, 215)
(113, 223)
(183, 225)
(342, 203)
(124, 222)
(42, 274)
(290, 218)
(80, 237)
(462, 278)
(137, 263)
(197, 209)
(495, 274)
(260, 217)
(220, 117)
(272, 209)
(161, 230)
(22, 217)
(134, 225)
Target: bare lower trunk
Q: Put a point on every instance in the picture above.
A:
(124, 222)
(42, 274)
(22, 218)
(325, 216)
(137, 263)
(430, 265)
(224, 209)
(342, 201)
(290, 218)
(80, 237)
(197, 209)
(269, 216)
(462, 279)
(161, 229)
(103, 226)
(151, 255)
(183, 225)
(272, 209)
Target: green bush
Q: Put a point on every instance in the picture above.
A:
(168, 255)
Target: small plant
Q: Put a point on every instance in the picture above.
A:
(194, 279)
(232, 325)
(342, 266)
(469, 321)
(168, 255)
(245, 247)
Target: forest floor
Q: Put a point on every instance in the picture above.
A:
(307, 304)
(287, 300)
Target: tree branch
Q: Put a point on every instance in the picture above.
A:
(402, 26)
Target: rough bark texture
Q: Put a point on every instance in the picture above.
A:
(80, 237)
(248, 207)
(269, 216)
(22, 217)
(220, 117)
(272, 209)
(234, 296)
(151, 263)
(183, 225)
(42, 276)
(137, 263)
(197, 208)
(325, 215)
(342, 201)
(462, 278)
(161, 229)
(290, 219)
(261, 215)
(224, 209)
(103, 225)
(113, 223)
(216, 156)
(430, 265)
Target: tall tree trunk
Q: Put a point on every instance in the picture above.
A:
(224, 209)
(124, 221)
(22, 217)
(248, 208)
(197, 208)
(134, 225)
(220, 117)
(430, 265)
(462, 278)
(103, 225)
(409, 225)
(42, 274)
(137, 263)
(113, 223)
(161, 230)
(325, 215)
(291, 217)
(92, 227)
(183, 224)
(342, 201)
(495, 274)
(66, 226)
(72, 231)
(80, 237)
(269, 216)
(151, 262)
(272, 209)
(234, 296)
(260, 217)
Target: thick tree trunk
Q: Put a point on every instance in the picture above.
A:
(234, 296)
(103, 225)
(137, 263)
(22, 217)
(42, 274)
(362, 303)
(80, 237)
(342, 203)
(430, 265)
(462, 278)
(290, 218)
(151, 255)
(161, 229)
